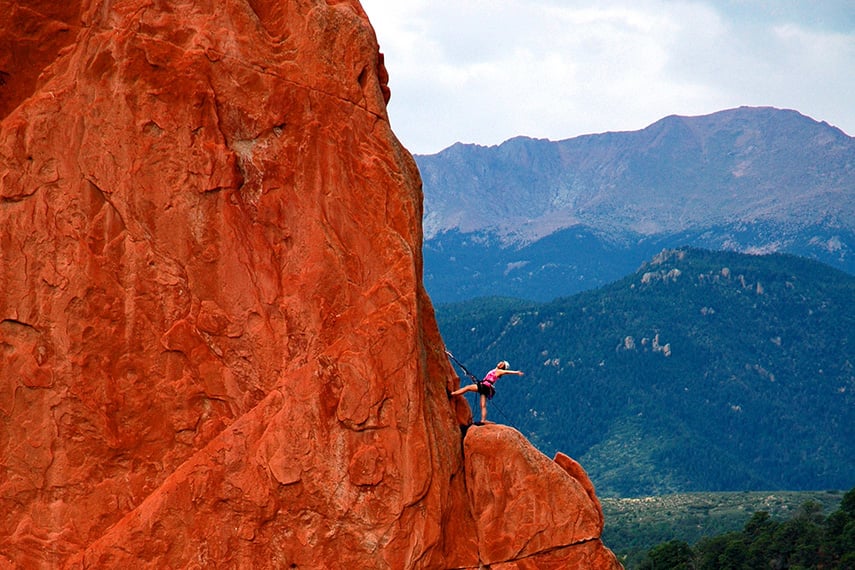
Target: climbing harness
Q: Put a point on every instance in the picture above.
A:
(526, 432)
(478, 381)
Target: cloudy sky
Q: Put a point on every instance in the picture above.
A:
(483, 71)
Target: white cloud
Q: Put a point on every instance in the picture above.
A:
(485, 71)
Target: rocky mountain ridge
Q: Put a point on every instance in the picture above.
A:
(534, 212)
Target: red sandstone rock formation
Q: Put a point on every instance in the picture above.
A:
(215, 350)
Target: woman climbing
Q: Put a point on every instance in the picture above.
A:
(485, 387)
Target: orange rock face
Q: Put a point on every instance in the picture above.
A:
(215, 350)
(512, 521)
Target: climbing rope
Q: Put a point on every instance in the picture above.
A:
(462, 367)
(526, 432)
(476, 380)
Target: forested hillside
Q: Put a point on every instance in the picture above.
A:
(702, 371)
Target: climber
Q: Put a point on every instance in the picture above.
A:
(485, 387)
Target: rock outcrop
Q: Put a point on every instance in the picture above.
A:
(215, 349)
(531, 512)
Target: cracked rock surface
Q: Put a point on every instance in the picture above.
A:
(215, 347)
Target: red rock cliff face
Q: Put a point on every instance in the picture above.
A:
(215, 350)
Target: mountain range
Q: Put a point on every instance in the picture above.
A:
(539, 219)
(701, 371)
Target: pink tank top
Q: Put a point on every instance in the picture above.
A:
(490, 378)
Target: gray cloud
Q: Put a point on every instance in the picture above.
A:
(484, 71)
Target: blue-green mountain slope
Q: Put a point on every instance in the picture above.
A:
(702, 371)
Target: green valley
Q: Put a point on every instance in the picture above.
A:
(635, 525)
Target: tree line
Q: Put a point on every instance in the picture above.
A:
(807, 541)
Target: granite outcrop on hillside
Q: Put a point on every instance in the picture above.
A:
(215, 349)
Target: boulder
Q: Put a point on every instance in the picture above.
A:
(530, 511)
